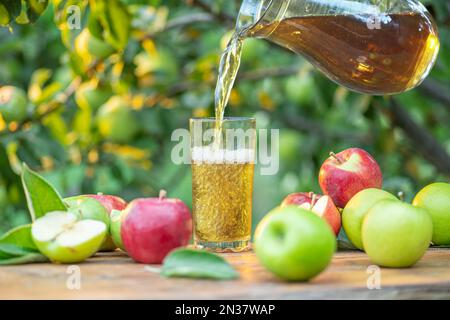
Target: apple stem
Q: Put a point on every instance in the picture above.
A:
(334, 155)
(313, 200)
(401, 195)
(162, 194)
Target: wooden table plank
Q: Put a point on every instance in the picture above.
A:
(115, 276)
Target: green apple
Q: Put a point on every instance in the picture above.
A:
(116, 121)
(88, 208)
(13, 103)
(357, 208)
(85, 207)
(63, 238)
(294, 243)
(300, 89)
(435, 198)
(115, 227)
(251, 50)
(396, 234)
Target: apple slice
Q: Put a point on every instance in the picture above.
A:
(63, 238)
(325, 208)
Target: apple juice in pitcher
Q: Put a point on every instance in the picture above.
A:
(369, 46)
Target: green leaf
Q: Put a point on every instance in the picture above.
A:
(11, 250)
(33, 257)
(191, 263)
(41, 195)
(344, 242)
(4, 16)
(19, 237)
(115, 20)
(14, 7)
(35, 9)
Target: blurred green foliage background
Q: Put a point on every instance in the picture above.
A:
(102, 101)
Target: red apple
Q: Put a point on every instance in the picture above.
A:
(300, 198)
(323, 206)
(344, 174)
(109, 202)
(152, 227)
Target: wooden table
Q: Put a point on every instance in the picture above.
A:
(115, 276)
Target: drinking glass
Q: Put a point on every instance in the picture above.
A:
(222, 161)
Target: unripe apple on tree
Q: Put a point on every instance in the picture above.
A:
(152, 227)
(13, 103)
(322, 206)
(63, 237)
(344, 174)
(116, 121)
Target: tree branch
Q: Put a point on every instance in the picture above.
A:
(221, 16)
(436, 91)
(180, 22)
(423, 141)
(268, 73)
(308, 125)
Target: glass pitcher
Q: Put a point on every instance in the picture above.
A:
(375, 47)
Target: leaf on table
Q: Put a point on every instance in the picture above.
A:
(344, 242)
(11, 250)
(40, 194)
(32, 257)
(191, 263)
(19, 236)
(17, 242)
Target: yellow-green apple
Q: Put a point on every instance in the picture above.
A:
(13, 103)
(64, 238)
(97, 207)
(115, 227)
(323, 206)
(344, 174)
(435, 198)
(396, 234)
(294, 244)
(116, 121)
(152, 227)
(357, 208)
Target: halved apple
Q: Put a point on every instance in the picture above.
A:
(323, 206)
(63, 238)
